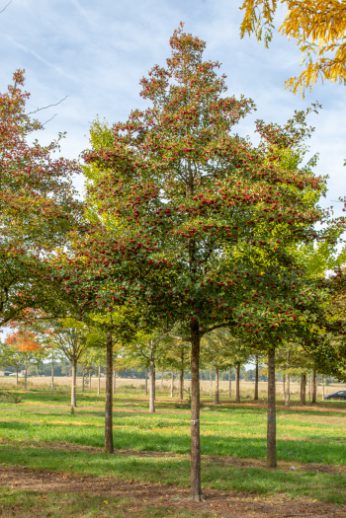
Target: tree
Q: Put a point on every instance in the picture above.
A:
(318, 26)
(26, 344)
(37, 205)
(221, 350)
(11, 357)
(330, 354)
(70, 337)
(191, 192)
(175, 355)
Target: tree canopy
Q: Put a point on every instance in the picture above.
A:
(318, 26)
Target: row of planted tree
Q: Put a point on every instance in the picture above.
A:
(43, 353)
(188, 233)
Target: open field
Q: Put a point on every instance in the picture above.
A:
(50, 460)
(207, 387)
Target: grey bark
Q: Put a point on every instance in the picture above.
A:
(271, 415)
(73, 386)
(195, 412)
(109, 446)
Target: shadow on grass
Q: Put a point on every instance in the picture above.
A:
(174, 437)
(175, 471)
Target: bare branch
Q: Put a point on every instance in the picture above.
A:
(6, 6)
(48, 106)
(49, 120)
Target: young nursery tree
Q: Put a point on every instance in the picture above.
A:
(172, 193)
(27, 347)
(37, 204)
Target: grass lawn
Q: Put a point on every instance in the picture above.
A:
(39, 433)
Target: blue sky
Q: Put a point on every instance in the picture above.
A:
(95, 52)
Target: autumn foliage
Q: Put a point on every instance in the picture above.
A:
(23, 341)
(318, 26)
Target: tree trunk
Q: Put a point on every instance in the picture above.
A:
(172, 385)
(109, 447)
(314, 386)
(288, 390)
(17, 376)
(99, 381)
(152, 386)
(237, 383)
(181, 385)
(83, 380)
(114, 381)
(217, 386)
(211, 383)
(146, 381)
(195, 411)
(52, 375)
(26, 377)
(90, 376)
(256, 380)
(303, 389)
(73, 385)
(271, 416)
(284, 386)
(230, 384)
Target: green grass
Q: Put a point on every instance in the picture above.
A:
(307, 436)
(30, 504)
(30, 430)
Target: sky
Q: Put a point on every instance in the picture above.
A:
(95, 52)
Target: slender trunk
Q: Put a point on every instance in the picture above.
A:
(195, 411)
(288, 390)
(109, 447)
(237, 383)
(83, 380)
(172, 385)
(284, 384)
(73, 385)
(181, 385)
(211, 382)
(52, 375)
(90, 376)
(217, 386)
(256, 380)
(114, 381)
(152, 386)
(17, 376)
(314, 386)
(271, 416)
(303, 389)
(323, 387)
(26, 377)
(230, 384)
(99, 381)
(146, 381)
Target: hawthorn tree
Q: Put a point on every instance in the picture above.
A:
(175, 356)
(37, 204)
(70, 337)
(221, 350)
(172, 193)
